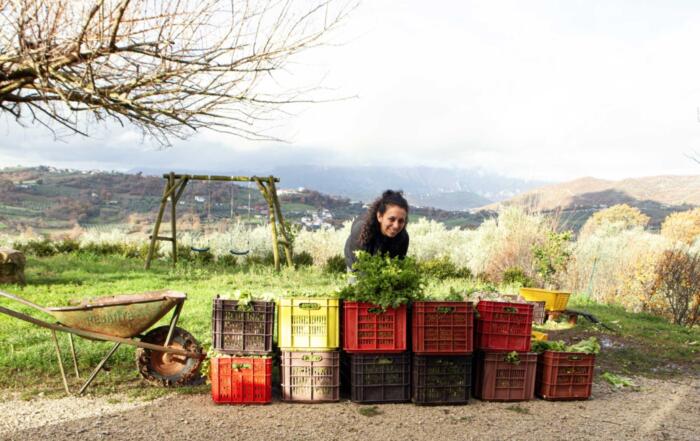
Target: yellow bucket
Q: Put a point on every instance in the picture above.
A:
(539, 336)
(554, 300)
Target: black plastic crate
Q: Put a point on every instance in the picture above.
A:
(238, 329)
(378, 378)
(441, 379)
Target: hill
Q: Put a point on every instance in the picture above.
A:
(49, 199)
(656, 196)
(443, 188)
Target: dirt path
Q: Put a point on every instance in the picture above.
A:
(660, 410)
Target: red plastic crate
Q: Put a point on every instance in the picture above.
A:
(496, 379)
(368, 329)
(565, 375)
(442, 328)
(503, 326)
(241, 380)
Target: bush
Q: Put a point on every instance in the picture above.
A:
(552, 257)
(301, 259)
(335, 265)
(227, 260)
(103, 249)
(516, 275)
(443, 268)
(38, 248)
(678, 281)
(66, 246)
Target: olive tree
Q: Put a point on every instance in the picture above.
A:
(167, 67)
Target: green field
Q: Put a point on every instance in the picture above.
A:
(641, 344)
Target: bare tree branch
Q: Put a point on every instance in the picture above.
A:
(167, 67)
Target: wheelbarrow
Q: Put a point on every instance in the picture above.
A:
(166, 355)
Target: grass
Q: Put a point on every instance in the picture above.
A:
(642, 344)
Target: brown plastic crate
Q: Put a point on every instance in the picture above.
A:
(238, 330)
(441, 379)
(311, 376)
(499, 380)
(539, 315)
(565, 375)
(378, 378)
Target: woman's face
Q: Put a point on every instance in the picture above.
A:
(392, 221)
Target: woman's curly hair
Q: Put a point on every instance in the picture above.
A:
(370, 228)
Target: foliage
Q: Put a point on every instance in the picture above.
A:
(443, 268)
(678, 281)
(587, 346)
(621, 214)
(682, 226)
(302, 258)
(39, 248)
(617, 380)
(335, 265)
(384, 281)
(551, 257)
(516, 276)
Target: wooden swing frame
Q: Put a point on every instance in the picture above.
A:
(174, 187)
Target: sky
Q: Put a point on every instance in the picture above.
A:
(546, 90)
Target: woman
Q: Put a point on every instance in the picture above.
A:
(381, 230)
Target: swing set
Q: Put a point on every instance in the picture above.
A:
(174, 188)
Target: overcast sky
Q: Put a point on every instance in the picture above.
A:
(548, 90)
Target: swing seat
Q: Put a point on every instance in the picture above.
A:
(199, 250)
(239, 253)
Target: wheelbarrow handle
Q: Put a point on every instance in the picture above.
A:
(23, 301)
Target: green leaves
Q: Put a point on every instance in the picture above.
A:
(552, 256)
(384, 281)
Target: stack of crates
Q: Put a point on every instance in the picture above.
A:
(442, 334)
(501, 329)
(377, 363)
(308, 331)
(241, 372)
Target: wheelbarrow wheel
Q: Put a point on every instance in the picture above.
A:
(165, 369)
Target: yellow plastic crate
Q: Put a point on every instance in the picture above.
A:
(308, 324)
(539, 336)
(554, 300)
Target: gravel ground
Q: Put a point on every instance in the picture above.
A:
(659, 410)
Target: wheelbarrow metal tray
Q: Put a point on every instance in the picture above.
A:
(123, 316)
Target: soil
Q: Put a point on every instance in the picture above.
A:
(659, 409)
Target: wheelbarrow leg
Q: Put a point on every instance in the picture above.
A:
(173, 323)
(60, 361)
(72, 353)
(98, 368)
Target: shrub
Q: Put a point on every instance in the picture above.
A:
(102, 249)
(227, 260)
(301, 259)
(678, 281)
(516, 275)
(384, 281)
(335, 265)
(38, 248)
(443, 268)
(552, 257)
(66, 246)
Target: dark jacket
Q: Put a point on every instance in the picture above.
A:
(394, 246)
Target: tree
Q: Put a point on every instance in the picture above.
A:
(628, 217)
(683, 226)
(167, 67)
